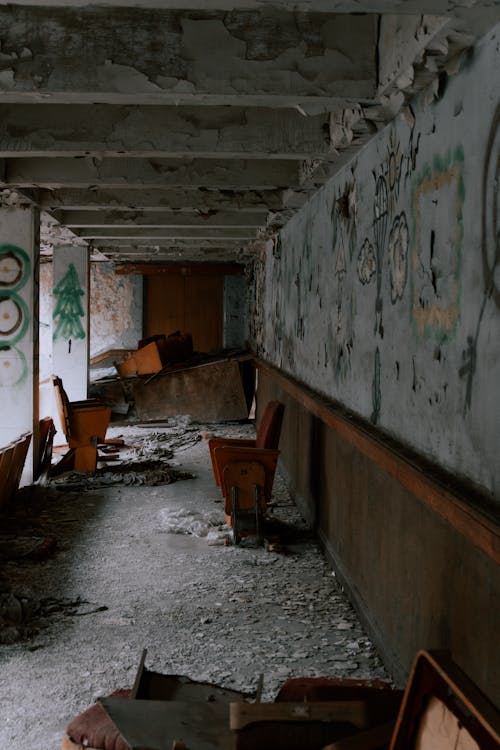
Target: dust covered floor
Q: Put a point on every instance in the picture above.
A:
(97, 575)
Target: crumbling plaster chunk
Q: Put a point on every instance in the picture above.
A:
(123, 79)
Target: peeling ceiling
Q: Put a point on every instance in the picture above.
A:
(156, 134)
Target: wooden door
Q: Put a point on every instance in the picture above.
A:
(187, 303)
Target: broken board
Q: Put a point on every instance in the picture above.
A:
(161, 725)
(210, 392)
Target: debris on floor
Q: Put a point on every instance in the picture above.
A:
(148, 473)
(215, 613)
(190, 522)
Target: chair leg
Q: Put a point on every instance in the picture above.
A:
(234, 514)
(258, 514)
(67, 463)
(86, 459)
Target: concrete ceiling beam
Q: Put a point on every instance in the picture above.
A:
(318, 6)
(159, 199)
(183, 243)
(163, 132)
(140, 56)
(143, 234)
(233, 174)
(178, 254)
(157, 219)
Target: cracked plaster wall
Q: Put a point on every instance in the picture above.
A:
(115, 309)
(384, 291)
(259, 51)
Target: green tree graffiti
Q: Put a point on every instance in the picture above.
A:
(69, 308)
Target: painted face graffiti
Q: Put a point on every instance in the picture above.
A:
(367, 262)
(15, 269)
(11, 316)
(11, 269)
(398, 256)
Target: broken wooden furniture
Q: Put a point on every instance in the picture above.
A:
(244, 470)
(212, 391)
(95, 729)
(155, 352)
(310, 712)
(163, 712)
(441, 710)
(46, 432)
(84, 424)
(12, 460)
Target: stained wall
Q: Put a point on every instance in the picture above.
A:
(383, 292)
(115, 309)
(379, 304)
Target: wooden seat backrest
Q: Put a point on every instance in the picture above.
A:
(268, 434)
(63, 405)
(443, 709)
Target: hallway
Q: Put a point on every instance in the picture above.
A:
(119, 582)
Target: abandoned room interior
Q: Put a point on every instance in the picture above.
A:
(249, 374)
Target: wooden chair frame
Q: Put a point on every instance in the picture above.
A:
(84, 424)
(434, 677)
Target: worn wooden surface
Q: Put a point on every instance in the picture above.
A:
(456, 510)
(208, 392)
(141, 362)
(414, 576)
(186, 303)
(108, 358)
(352, 712)
(12, 459)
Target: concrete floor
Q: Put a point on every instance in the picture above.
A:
(119, 582)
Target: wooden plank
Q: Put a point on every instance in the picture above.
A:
(213, 392)
(204, 311)
(482, 532)
(156, 725)
(141, 362)
(192, 303)
(164, 305)
(108, 358)
(352, 712)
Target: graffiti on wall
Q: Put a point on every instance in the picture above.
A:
(380, 222)
(376, 390)
(491, 213)
(367, 262)
(398, 256)
(387, 186)
(392, 169)
(15, 270)
(437, 202)
(490, 252)
(344, 223)
(68, 309)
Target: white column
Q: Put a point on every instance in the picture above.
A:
(70, 320)
(19, 258)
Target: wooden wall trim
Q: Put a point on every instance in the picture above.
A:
(383, 645)
(482, 532)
